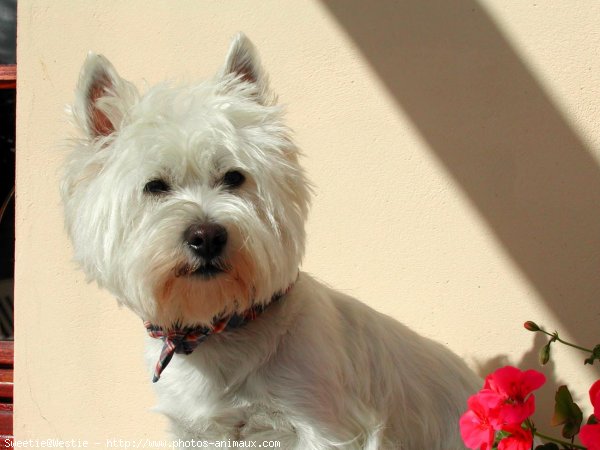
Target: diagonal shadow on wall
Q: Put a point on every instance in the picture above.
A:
(498, 134)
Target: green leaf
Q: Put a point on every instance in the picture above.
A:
(566, 413)
(501, 434)
(548, 446)
(594, 356)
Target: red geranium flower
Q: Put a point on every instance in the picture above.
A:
(590, 434)
(475, 428)
(595, 398)
(519, 439)
(511, 391)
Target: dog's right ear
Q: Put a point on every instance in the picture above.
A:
(242, 61)
(102, 97)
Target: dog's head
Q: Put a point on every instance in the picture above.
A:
(185, 201)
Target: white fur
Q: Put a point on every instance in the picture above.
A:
(318, 370)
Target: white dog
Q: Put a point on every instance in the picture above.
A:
(188, 204)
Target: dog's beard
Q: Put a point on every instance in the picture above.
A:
(193, 293)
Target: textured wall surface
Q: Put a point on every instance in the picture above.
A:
(454, 146)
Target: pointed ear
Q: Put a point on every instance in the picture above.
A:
(243, 63)
(102, 97)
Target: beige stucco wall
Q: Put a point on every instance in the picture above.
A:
(455, 149)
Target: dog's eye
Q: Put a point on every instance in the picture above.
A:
(233, 179)
(157, 187)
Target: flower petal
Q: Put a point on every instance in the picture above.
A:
(516, 413)
(590, 436)
(475, 428)
(475, 433)
(503, 380)
(530, 381)
(519, 439)
(513, 383)
(595, 398)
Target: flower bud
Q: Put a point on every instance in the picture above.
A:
(531, 326)
(544, 355)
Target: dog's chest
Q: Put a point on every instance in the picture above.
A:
(236, 414)
(218, 401)
(261, 419)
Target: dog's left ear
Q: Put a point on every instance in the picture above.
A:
(102, 97)
(242, 61)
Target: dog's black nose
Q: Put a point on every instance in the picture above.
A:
(206, 240)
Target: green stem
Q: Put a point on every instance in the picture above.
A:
(558, 441)
(555, 337)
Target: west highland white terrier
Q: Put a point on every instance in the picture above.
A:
(188, 204)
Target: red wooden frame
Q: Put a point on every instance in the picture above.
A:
(8, 80)
(6, 391)
(8, 76)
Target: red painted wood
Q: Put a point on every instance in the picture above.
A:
(7, 351)
(8, 80)
(8, 76)
(6, 369)
(6, 375)
(8, 72)
(6, 390)
(6, 423)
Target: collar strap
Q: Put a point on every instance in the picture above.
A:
(184, 340)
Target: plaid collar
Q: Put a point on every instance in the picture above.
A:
(186, 339)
